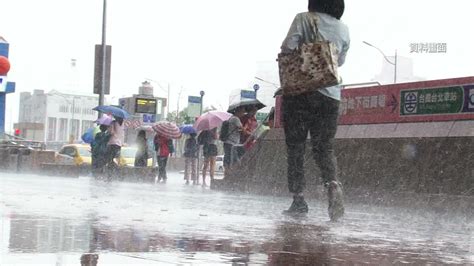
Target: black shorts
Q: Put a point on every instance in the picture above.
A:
(209, 150)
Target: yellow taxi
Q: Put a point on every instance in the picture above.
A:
(127, 157)
(77, 154)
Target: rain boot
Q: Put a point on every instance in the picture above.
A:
(335, 200)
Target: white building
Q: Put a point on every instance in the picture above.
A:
(55, 116)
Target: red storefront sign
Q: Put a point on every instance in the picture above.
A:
(426, 101)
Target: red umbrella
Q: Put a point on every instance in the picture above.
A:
(167, 129)
(210, 120)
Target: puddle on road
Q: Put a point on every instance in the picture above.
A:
(66, 242)
(55, 221)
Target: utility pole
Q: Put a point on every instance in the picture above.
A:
(104, 56)
(386, 59)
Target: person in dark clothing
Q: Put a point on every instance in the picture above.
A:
(315, 112)
(191, 148)
(141, 157)
(99, 151)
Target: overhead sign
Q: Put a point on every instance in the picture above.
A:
(244, 94)
(98, 68)
(145, 106)
(444, 100)
(149, 118)
(194, 106)
(427, 101)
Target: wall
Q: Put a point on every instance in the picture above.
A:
(371, 169)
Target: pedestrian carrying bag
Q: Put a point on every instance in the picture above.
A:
(310, 67)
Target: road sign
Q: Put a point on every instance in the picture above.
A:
(194, 106)
(256, 87)
(98, 68)
(244, 94)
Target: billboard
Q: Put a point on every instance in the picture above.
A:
(145, 106)
(245, 94)
(194, 106)
(427, 101)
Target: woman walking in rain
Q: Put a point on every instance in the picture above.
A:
(315, 112)
(117, 135)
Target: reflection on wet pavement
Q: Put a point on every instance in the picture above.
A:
(56, 221)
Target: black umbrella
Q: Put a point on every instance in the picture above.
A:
(246, 102)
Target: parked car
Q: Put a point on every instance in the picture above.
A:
(127, 157)
(76, 154)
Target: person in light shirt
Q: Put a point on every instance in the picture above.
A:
(315, 112)
(117, 135)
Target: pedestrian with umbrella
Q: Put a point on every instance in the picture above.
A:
(230, 135)
(208, 138)
(99, 145)
(117, 135)
(210, 120)
(191, 149)
(165, 132)
(114, 146)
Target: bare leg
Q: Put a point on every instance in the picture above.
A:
(204, 170)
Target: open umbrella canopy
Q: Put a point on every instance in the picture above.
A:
(105, 120)
(210, 120)
(89, 135)
(187, 129)
(245, 103)
(147, 128)
(113, 110)
(167, 129)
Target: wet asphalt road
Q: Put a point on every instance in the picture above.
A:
(56, 220)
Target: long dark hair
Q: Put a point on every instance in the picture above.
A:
(333, 8)
(141, 134)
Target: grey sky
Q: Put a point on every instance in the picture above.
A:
(214, 45)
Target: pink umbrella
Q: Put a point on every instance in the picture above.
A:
(210, 120)
(167, 129)
(105, 120)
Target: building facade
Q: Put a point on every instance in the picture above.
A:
(55, 116)
(145, 110)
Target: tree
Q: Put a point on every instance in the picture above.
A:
(182, 118)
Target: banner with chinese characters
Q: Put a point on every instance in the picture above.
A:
(426, 101)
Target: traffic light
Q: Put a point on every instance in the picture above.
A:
(17, 132)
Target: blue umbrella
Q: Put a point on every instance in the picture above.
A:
(187, 129)
(114, 110)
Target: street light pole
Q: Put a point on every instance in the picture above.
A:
(202, 96)
(271, 83)
(104, 56)
(386, 59)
